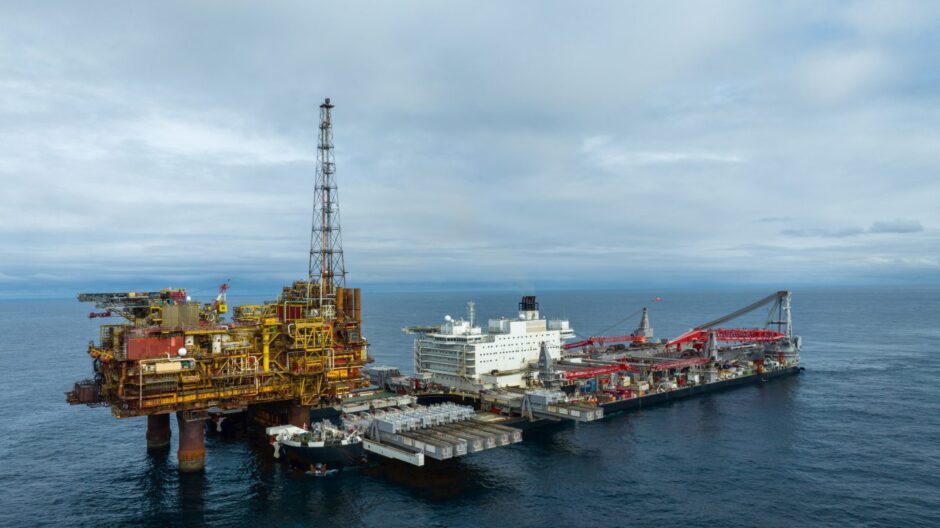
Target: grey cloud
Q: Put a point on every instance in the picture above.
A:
(475, 141)
(825, 233)
(896, 226)
(892, 227)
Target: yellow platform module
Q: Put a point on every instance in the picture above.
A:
(282, 350)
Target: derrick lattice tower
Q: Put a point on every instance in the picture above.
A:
(326, 265)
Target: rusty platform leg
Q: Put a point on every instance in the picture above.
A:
(299, 415)
(158, 431)
(192, 450)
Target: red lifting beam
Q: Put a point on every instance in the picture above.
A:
(743, 335)
(600, 340)
(598, 371)
(679, 363)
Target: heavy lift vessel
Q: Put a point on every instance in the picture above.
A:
(278, 359)
(599, 375)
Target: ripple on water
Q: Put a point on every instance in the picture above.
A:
(854, 441)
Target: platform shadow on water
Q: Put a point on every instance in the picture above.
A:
(169, 498)
(192, 496)
(436, 481)
(158, 477)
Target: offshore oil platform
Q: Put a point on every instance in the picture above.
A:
(296, 367)
(174, 355)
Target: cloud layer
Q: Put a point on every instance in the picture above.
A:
(526, 142)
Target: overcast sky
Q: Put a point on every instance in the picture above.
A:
(622, 142)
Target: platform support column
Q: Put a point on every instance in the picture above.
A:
(192, 448)
(299, 415)
(158, 431)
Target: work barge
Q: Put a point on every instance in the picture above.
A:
(282, 365)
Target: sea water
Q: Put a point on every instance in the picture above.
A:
(853, 441)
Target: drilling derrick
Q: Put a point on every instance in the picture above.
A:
(173, 354)
(326, 265)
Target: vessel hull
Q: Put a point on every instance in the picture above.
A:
(686, 392)
(663, 397)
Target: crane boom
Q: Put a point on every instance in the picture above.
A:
(776, 297)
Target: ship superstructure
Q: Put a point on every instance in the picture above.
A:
(463, 355)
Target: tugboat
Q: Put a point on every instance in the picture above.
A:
(323, 447)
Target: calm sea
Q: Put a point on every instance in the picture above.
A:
(854, 441)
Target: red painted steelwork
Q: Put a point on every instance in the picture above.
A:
(749, 335)
(289, 312)
(679, 363)
(600, 340)
(598, 371)
(153, 347)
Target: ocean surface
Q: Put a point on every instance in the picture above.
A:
(853, 441)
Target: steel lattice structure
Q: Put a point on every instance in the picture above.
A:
(326, 264)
